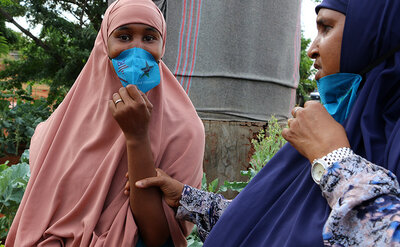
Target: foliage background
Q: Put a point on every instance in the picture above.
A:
(62, 48)
(306, 84)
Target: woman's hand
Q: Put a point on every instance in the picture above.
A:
(313, 132)
(132, 110)
(171, 188)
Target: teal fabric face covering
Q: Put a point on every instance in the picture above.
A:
(138, 67)
(338, 93)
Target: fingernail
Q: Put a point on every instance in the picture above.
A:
(138, 183)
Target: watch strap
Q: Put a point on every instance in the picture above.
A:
(336, 155)
(327, 161)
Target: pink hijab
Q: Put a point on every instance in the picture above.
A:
(78, 156)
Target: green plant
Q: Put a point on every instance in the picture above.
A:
(193, 240)
(17, 123)
(13, 181)
(266, 145)
(3, 45)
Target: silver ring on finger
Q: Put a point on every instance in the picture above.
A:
(117, 101)
(295, 110)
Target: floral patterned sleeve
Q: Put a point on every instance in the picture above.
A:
(365, 204)
(202, 208)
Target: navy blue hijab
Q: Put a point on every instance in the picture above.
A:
(282, 206)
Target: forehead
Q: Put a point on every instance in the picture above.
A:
(126, 12)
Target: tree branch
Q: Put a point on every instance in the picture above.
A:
(38, 42)
(10, 19)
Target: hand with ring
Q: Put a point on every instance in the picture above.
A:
(132, 110)
(313, 132)
(117, 101)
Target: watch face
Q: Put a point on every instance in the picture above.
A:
(318, 171)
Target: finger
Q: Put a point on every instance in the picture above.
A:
(161, 173)
(150, 182)
(127, 175)
(127, 186)
(311, 102)
(123, 93)
(134, 93)
(289, 135)
(296, 110)
(117, 99)
(111, 106)
(285, 133)
(115, 96)
(289, 121)
(148, 103)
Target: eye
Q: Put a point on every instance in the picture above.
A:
(149, 38)
(124, 37)
(326, 28)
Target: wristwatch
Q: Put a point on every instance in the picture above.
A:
(318, 168)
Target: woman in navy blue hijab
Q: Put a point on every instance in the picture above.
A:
(282, 206)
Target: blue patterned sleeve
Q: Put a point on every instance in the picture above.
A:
(201, 208)
(365, 204)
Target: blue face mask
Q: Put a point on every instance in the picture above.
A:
(338, 93)
(137, 66)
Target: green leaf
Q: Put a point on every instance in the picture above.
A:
(4, 48)
(6, 124)
(10, 147)
(234, 186)
(193, 240)
(4, 166)
(25, 157)
(204, 182)
(194, 243)
(19, 120)
(246, 173)
(13, 181)
(213, 186)
(12, 184)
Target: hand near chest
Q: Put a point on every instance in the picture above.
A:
(132, 110)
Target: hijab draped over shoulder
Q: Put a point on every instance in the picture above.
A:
(78, 156)
(282, 206)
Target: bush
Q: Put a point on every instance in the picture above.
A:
(13, 181)
(17, 123)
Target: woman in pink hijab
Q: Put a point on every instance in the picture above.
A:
(80, 155)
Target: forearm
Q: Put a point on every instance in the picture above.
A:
(202, 208)
(146, 204)
(365, 204)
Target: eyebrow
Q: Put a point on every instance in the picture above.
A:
(122, 28)
(151, 29)
(321, 21)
